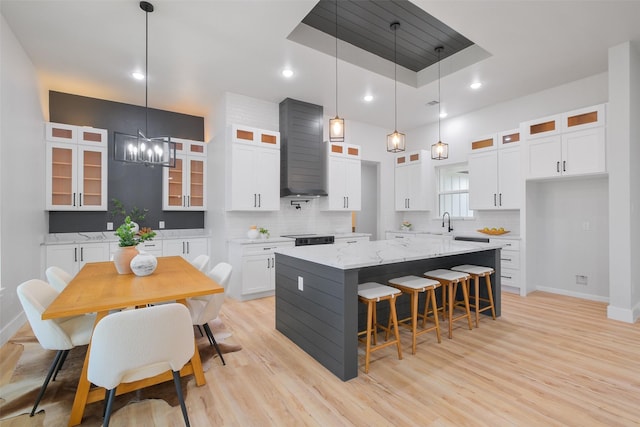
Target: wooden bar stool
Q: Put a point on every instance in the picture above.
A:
(449, 280)
(476, 272)
(414, 285)
(371, 293)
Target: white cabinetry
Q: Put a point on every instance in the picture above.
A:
(350, 239)
(186, 248)
(253, 178)
(154, 247)
(494, 172)
(254, 269)
(344, 178)
(510, 272)
(413, 182)
(183, 187)
(76, 168)
(72, 257)
(569, 144)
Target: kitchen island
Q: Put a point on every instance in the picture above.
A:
(316, 289)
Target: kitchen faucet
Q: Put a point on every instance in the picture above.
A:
(449, 218)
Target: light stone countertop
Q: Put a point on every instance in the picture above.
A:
(379, 252)
(110, 236)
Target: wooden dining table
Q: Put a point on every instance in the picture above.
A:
(98, 288)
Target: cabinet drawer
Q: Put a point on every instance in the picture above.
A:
(510, 277)
(510, 259)
(264, 249)
(509, 245)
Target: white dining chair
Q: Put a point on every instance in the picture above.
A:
(200, 262)
(206, 308)
(138, 344)
(61, 334)
(57, 277)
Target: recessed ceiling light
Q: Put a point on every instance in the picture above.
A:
(475, 85)
(368, 98)
(138, 75)
(443, 114)
(287, 72)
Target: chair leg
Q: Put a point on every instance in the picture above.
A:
(213, 342)
(108, 406)
(60, 363)
(54, 365)
(200, 329)
(176, 381)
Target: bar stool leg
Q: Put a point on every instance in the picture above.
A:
(476, 287)
(465, 293)
(392, 304)
(370, 308)
(414, 320)
(490, 291)
(431, 294)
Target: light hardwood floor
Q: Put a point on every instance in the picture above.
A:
(549, 360)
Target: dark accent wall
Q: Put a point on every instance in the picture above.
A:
(134, 185)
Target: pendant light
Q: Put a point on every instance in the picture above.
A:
(439, 150)
(336, 125)
(139, 148)
(395, 140)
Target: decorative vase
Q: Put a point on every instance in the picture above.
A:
(122, 258)
(253, 232)
(143, 264)
(135, 228)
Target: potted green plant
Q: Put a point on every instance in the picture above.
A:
(136, 214)
(264, 233)
(129, 238)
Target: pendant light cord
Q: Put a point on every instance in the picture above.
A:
(439, 49)
(395, 26)
(146, 77)
(336, 58)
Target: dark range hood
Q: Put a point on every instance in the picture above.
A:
(302, 157)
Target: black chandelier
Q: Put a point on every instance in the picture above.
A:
(140, 149)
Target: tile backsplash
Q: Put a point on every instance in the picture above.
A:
(290, 220)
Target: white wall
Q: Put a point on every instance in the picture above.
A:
(571, 221)
(23, 222)
(623, 157)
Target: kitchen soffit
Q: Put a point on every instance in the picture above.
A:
(364, 27)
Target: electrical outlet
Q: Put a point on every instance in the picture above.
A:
(300, 283)
(582, 279)
(161, 224)
(109, 226)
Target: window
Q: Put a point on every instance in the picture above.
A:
(453, 191)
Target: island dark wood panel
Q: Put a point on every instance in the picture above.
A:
(323, 319)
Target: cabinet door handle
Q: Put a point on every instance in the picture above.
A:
(188, 201)
(74, 200)
(564, 166)
(494, 199)
(347, 201)
(183, 248)
(259, 200)
(82, 254)
(505, 259)
(79, 199)
(75, 254)
(188, 249)
(558, 167)
(255, 200)
(506, 277)
(500, 199)
(268, 262)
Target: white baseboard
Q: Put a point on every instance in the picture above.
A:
(572, 294)
(628, 315)
(11, 328)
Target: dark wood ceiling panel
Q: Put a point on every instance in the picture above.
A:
(366, 24)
